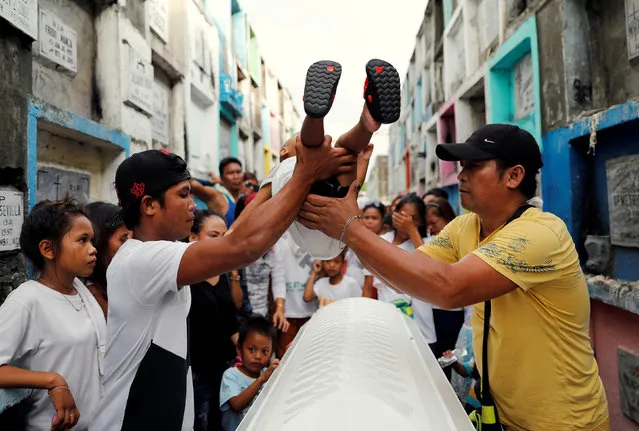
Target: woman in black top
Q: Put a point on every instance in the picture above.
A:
(213, 329)
(110, 234)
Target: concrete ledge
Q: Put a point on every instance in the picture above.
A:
(620, 294)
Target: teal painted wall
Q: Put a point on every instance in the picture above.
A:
(255, 62)
(240, 38)
(235, 136)
(234, 130)
(500, 77)
(448, 11)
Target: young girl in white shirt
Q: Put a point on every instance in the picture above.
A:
(52, 327)
(373, 218)
(409, 233)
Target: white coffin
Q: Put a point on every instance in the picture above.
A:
(358, 364)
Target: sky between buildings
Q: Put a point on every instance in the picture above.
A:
(295, 33)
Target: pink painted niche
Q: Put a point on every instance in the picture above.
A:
(446, 134)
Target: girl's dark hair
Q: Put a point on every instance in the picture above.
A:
(413, 199)
(200, 217)
(255, 323)
(438, 192)
(442, 208)
(47, 220)
(341, 253)
(388, 220)
(105, 223)
(397, 198)
(378, 206)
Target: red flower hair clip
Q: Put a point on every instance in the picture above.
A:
(137, 190)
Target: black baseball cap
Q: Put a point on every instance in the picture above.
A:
(147, 173)
(506, 142)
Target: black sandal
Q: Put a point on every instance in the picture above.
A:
(382, 91)
(321, 84)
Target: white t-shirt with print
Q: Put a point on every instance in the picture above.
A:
(327, 293)
(354, 267)
(44, 330)
(297, 265)
(266, 270)
(384, 292)
(147, 382)
(422, 311)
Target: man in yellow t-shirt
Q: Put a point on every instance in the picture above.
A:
(543, 373)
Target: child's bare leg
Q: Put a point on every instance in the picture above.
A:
(312, 133)
(360, 135)
(319, 91)
(357, 139)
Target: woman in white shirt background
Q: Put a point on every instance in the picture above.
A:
(448, 323)
(53, 329)
(409, 232)
(373, 216)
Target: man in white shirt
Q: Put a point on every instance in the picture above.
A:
(147, 378)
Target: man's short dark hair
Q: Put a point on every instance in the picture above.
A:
(528, 185)
(437, 192)
(227, 161)
(132, 215)
(148, 173)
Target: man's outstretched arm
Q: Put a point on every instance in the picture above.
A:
(255, 235)
(467, 282)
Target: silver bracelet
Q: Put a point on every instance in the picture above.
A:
(348, 222)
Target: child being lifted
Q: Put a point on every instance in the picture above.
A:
(382, 104)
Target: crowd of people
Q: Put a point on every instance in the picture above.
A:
(116, 273)
(154, 314)
(239, 322)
